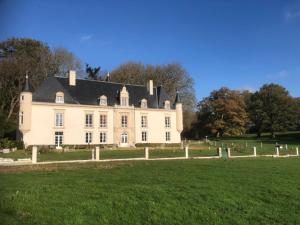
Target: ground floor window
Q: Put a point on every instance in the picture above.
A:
(59, 138)
(124, 138)
(102, 137)
(168, 136)
(144, 136)
(88, 137)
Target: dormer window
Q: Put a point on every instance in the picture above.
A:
(144, 104)
(167, 105)
(124, 97)
(103, 100)
(59, 97)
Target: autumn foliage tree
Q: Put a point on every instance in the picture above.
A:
(223, 113)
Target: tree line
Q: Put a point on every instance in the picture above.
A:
(225, 112)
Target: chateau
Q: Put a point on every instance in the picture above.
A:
(70, 111)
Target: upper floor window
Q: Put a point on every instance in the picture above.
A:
(103, 100)
(88, 120)
(144, 121)
(59, 119)
(167, 122)
(103, 121)
(124, 121)
(59, 97)
(124, 97)
(144, 104)
(167, 105)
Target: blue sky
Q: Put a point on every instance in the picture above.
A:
(238, 44)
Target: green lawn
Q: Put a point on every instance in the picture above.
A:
(239, 191)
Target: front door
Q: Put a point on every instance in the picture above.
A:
(124, 140)
(58, 139)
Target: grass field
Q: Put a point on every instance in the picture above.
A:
(239, 191)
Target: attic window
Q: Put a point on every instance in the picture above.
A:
(124, 97)
(103, 100)
(59, 98)
(167, 105)
(144, 103)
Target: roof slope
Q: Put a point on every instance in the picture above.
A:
(87, 92)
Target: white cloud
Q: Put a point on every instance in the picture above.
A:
(278, 76)
(289, 15)
(85, 38)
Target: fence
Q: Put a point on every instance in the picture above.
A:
(96, 156)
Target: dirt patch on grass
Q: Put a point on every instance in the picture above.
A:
(62, 166)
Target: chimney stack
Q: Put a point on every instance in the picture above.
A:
(72, 78)
(150, 87)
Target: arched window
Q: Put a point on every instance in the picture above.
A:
(59, 98)
(167, 105)
(103, 100)
(144, 103)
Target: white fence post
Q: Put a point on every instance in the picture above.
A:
(228, 152)
(277, 151)
(220, 152)
(286, 147)
(34, 154)
(254, 151)
(186, 149)
(97, 153)
(146, 152)
(93, 154)
(297, 151)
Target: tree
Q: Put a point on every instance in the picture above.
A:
(171, 76)
(92, 73)
(64, 61)
(223, 113)
(19, 57)
(272, 109)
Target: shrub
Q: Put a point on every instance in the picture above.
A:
(7, 143)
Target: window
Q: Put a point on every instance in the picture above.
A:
(103, 121)
(144, 121)
(144, 136)
(167, 105)
(59, 119)
(21, 117)
(124, 101)
(22, 97)
(59, 97)
(102, 137)
(168, 136)
(124, 138)
(144, 104)
(124, 121)
(88, 137)
(59, 138)
(88, 120)
(103, 100)
(167, 122)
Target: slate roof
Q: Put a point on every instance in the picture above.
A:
(87, 92)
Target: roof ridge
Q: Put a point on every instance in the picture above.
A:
(102, 81)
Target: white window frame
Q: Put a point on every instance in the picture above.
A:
(124, 121)
(103, 100)
(168, 136)
(144, 104)
(89, 119)
(167, 122)
(124, 138)
(103, 121)
(102, 137)
(59, 98)
(59, 119)
(167, 105)
(124, 101)
(58, 138)
(144, 121)
(88, 137)
(144, 135)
